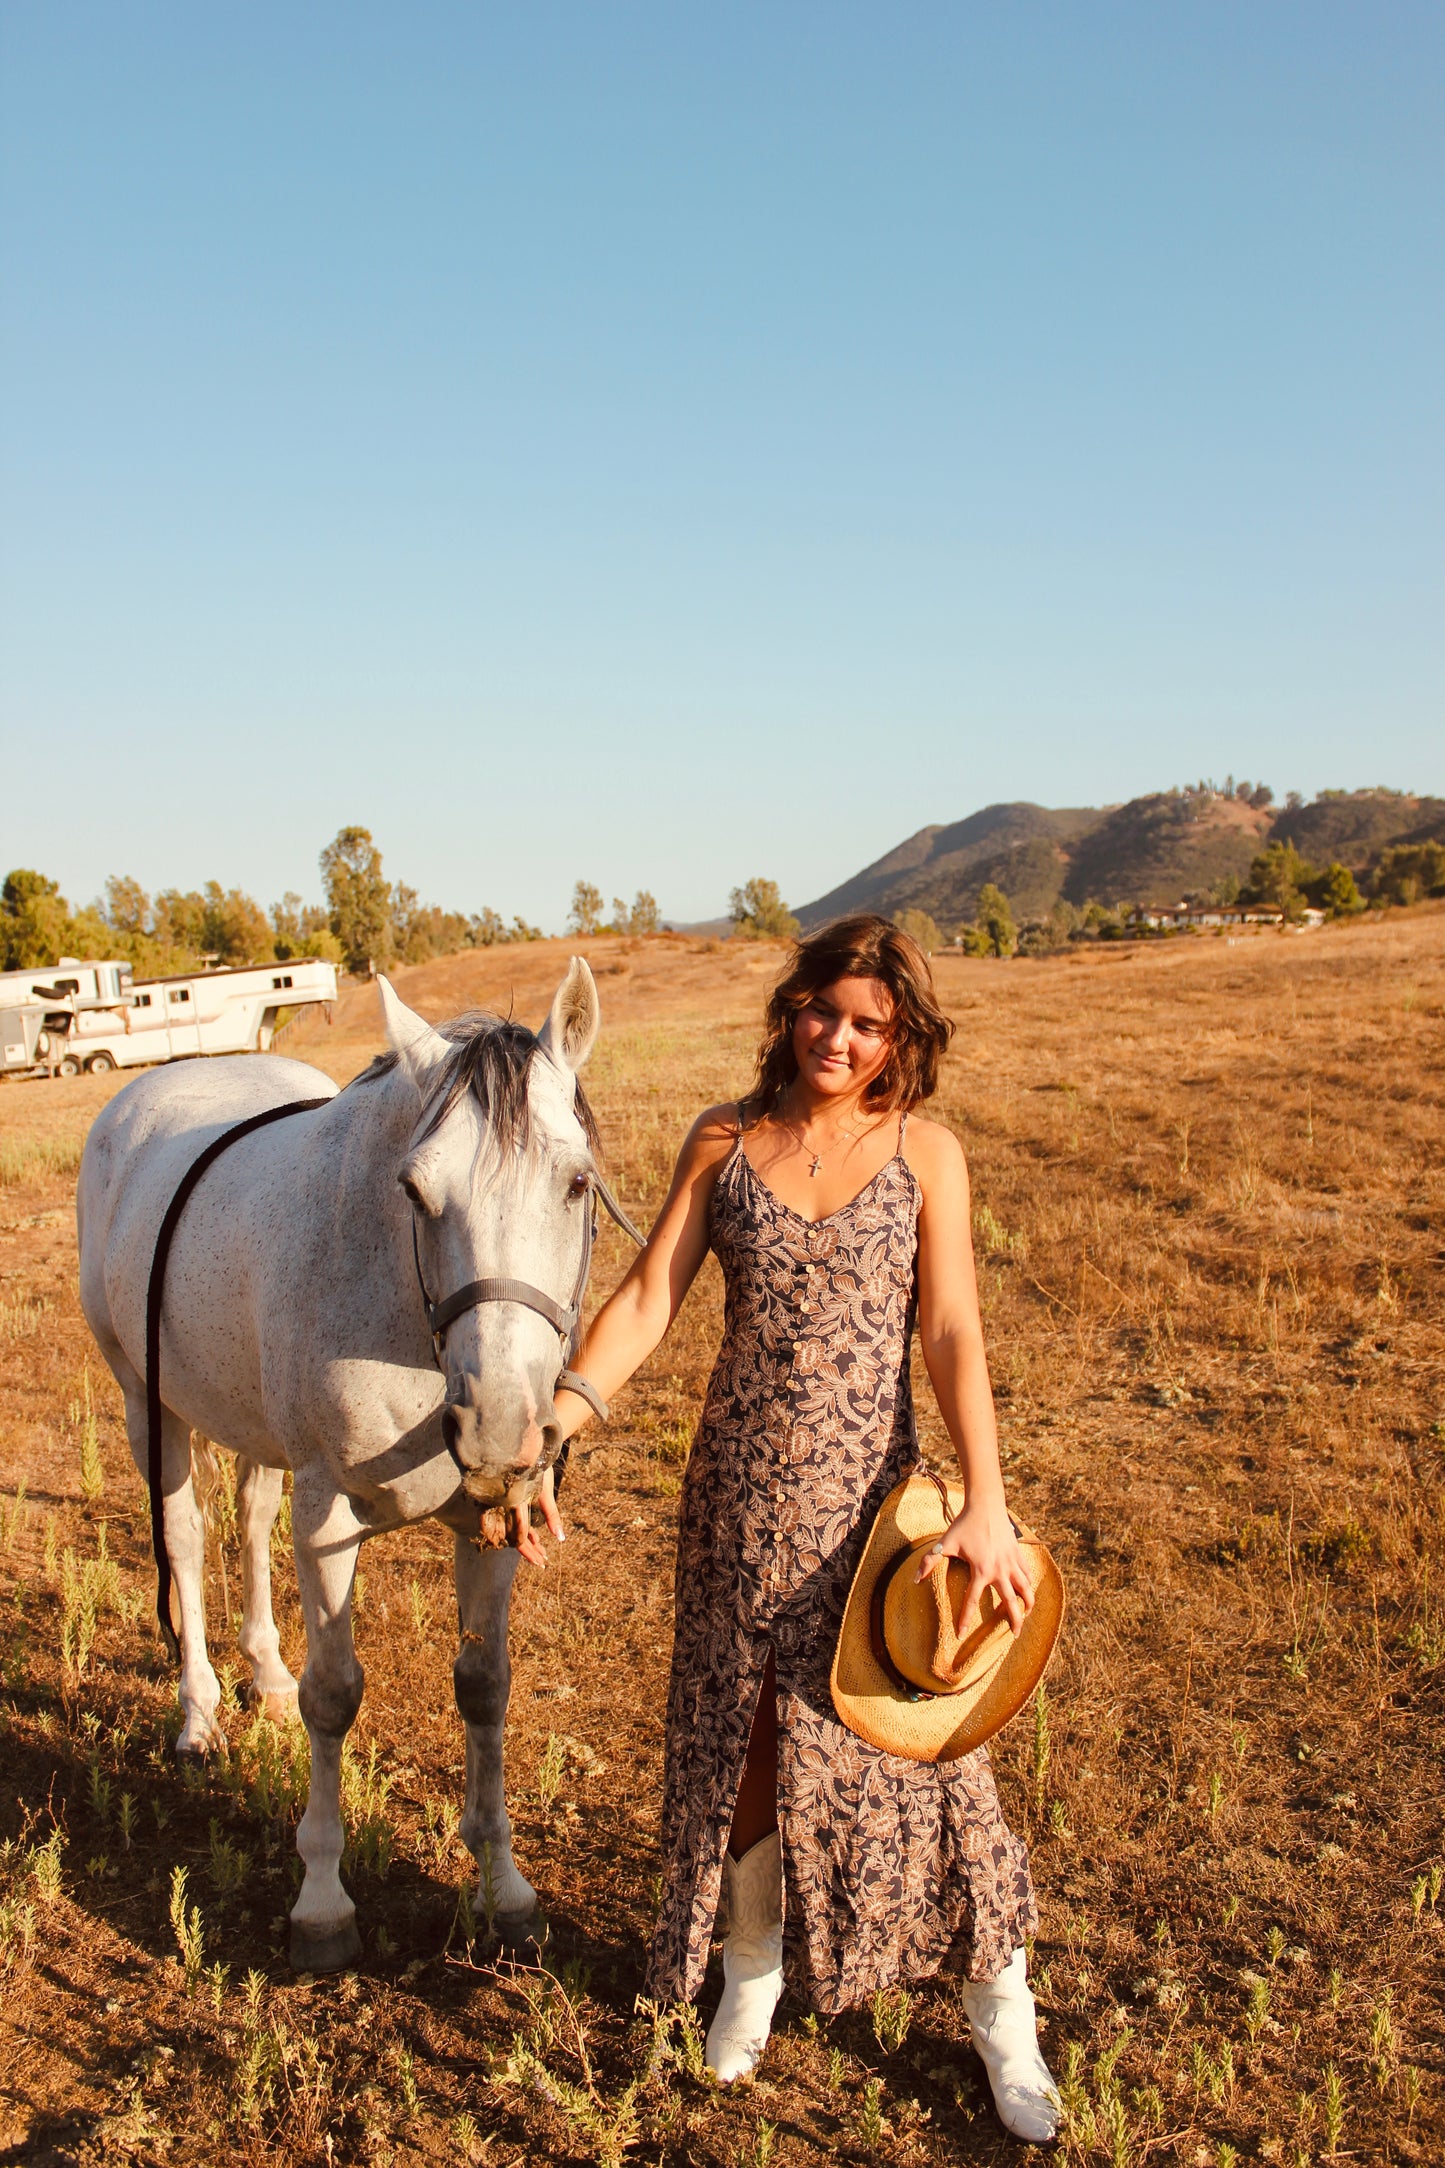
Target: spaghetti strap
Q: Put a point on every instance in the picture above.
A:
(902, 1130)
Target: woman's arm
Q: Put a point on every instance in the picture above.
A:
(639, 1310)
(952, 1337)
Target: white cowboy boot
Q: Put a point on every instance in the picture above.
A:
(752, 1960)
(1001, 2018)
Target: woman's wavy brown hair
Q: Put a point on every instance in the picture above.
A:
(861, 946)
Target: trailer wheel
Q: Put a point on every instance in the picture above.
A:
(101, 1064)
(68, 1065)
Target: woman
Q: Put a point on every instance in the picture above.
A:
(837, 1214)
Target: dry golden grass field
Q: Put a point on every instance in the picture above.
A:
(1210, 1216)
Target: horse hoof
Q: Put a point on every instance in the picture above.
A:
(281, 1706)
(316, 1952)
(196, 1744)
(514, 1930)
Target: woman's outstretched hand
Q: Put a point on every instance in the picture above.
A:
(982, 1538)
(529, 1543)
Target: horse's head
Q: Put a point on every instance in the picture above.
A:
(499, 1172)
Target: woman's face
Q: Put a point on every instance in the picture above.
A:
(841, 1037)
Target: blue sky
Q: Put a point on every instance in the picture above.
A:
(666, 444)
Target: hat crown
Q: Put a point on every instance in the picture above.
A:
(936, 1639)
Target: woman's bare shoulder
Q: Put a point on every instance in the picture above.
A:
(713, 1134)
(931, 1148)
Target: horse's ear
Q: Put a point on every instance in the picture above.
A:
(570, 1032)
(411, 1037)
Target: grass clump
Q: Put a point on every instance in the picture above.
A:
(25, 1160)
(189, 1932)
(544, 2055)
(21, 1318)
(365, 1790)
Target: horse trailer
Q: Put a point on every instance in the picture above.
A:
(123, 1024)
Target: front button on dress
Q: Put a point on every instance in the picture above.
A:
(892, 1869)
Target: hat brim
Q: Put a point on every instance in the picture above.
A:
(940, 1729)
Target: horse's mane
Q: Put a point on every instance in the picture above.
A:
(491, 1057)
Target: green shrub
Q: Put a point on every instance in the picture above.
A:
(1408, 871)
(920, 928)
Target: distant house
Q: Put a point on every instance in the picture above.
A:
(1179, 917)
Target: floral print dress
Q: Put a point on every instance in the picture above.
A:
(892, 1869)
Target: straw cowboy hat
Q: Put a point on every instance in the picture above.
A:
(911, 1675)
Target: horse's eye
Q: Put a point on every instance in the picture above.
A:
(413, 1193)
(579, 1185)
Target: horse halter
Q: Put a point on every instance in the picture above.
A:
(567, 1322)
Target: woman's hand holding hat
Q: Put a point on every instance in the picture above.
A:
(983, 1539)
(944, 1635)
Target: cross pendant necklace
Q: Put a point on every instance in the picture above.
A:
(818, 1157)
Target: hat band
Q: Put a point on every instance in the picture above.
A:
(906, 1687)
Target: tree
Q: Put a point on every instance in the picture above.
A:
(644, 916)
(87, 934)
(919, 927)
(33, 916)
(179, 922)
(127, 906)
(1043, 936)
(301, 930)
(1279, 875)
(1408, 871)
(996, 920)
(409, 929)
(359, 897)
(585, 915)
(235, 928)
(758, 912)
(209, 925)
(1336, 892)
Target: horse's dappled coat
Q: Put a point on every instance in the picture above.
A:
(293, 1332)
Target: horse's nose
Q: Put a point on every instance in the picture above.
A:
(487, 1436)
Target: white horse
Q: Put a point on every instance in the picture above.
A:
(294, 1331)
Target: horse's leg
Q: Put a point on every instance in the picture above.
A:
(258, 1500)
(327, 1536)
(482, 1676)
(199, 1688)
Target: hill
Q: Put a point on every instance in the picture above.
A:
(1356, 825)
(1022, 848)
(1152, 850)
(1159, 848)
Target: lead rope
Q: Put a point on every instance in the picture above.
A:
(154, 1291)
